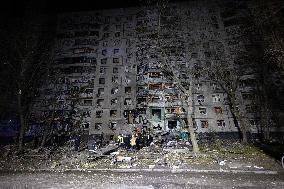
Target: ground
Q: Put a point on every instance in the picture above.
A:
(218, 155)
(218, 165)
(154, 180)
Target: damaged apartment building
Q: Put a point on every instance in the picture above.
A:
(107, 78)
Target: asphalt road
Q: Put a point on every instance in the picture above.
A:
(153, 180)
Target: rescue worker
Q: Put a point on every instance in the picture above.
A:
(120, 141)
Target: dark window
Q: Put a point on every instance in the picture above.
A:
(204, 124)
(99, 114)
(172, 124)
(202, 111)
(98, 126)
(221, 123)
(104, 52)
(218, 110)
(104, 61)
(102, 81)
(115, 60)
(115, 70)
(127, 90)
(115, 51)
(156, 113)
(113, 113)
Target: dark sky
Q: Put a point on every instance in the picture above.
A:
(17, 7)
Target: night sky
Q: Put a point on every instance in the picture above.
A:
(17, 8)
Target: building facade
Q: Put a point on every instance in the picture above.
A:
(107, 72)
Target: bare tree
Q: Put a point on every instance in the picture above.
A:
(228, 78)
(25, 53)
(168, 43)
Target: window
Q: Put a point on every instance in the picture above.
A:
(114, 70)
(113, 113)
(170, 110)
(204, 124)
(88, 102)
(102, 70)
(104, 52)
(200, 98)
(198, 86)
(194, 55)
(254, 122)
(106, 35)
(218, 110)
(113, 101)
(105, 43)
(216, 98)
(115, 51)
(114, 79)
(117, 34)
(116, 60)
(221, 123)
(127, 80)
(98, 126)
(102, 81)
(113, 125)
(114, 90)
(172, 124)
(128, 101)
(156, 114)
(101, 91)
(127, 90)
(154, 74)
(104, 61)
(202, 111)
(100, 102)
(99, 114)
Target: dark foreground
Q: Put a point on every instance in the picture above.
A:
(154, 180)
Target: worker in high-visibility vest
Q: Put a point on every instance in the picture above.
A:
(120, 140)
(133, 141)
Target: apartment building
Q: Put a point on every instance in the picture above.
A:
(107, 75)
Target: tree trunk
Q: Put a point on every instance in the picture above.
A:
(242, 126)
(238, 119)
(191, 131)
(22, 121)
